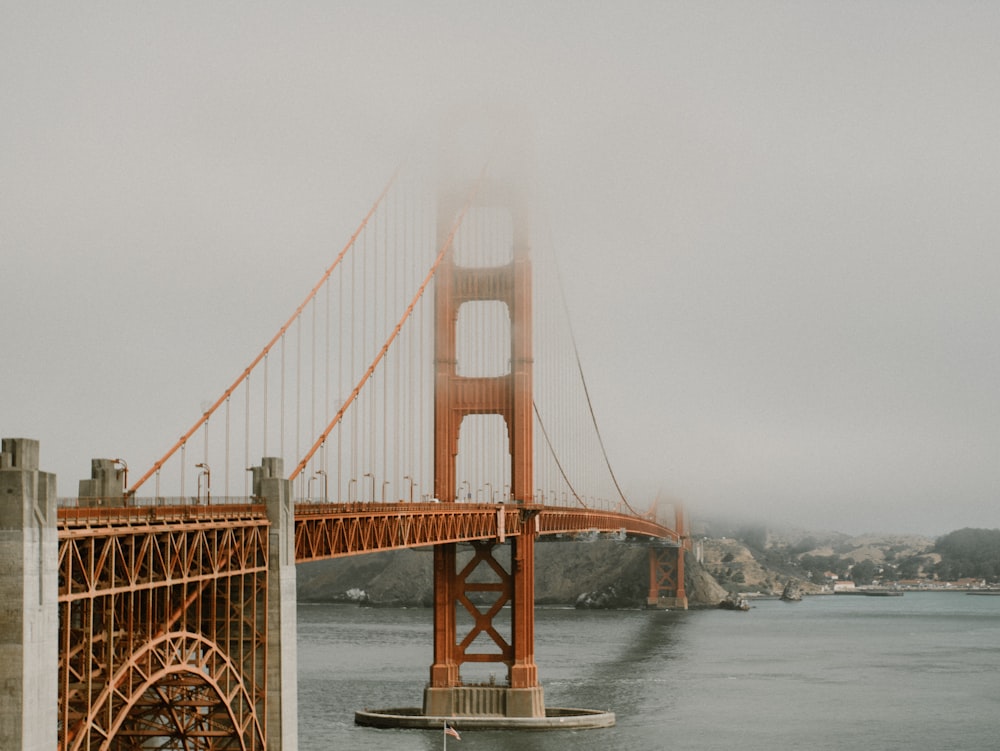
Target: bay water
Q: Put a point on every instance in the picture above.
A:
(919, 672)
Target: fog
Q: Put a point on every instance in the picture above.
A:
(777, 221)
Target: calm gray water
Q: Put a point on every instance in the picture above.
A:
(919, 672)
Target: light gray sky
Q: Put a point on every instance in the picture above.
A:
(779, 223)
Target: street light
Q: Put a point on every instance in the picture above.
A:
(317, 473)
(208, 482)
(468, 491)
(326, 487)
(407, 477)
(124, 479)
(489, 498)
(369, 474)
(384, 483)
(352, 489)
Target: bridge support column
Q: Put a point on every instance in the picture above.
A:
(666, 570)
(666, 578)
(29, 613)
(282, 652)
(469, 591)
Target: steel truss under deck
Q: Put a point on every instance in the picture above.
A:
(163, 628)
(331, 530)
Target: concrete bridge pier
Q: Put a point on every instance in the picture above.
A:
(29, 613)
(269, 484)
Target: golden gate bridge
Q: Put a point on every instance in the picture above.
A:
(429, 393)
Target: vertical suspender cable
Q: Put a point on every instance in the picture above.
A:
(385, 375)
(325, 463)
(282, 415)
(228, 428)
(246, 441)
(298, 383)
(267, 358)
(312, 406)
(353, 454)
(245, 374)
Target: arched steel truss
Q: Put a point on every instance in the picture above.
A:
(163, 610)
(163, 629)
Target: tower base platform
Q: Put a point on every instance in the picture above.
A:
(667, 603)
(556, 718)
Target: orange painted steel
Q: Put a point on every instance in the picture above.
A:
(163, 609)
(162, 628)
(666, 573)
(666, 564)
(501, 583)
(509, 396)
(335, 530)
(328, 530)
(562, 520)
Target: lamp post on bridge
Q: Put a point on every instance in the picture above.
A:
(468, 491)
(371, 475)
(489, 497)
(384, 483)
(407, 477)
(124, 479)
(352, 486)
(317, 473)
(203, 466)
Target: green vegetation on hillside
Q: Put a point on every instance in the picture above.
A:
(969, 553)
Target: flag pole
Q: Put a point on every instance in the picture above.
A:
(444, 735)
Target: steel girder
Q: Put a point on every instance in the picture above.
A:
(666, 572)
(333, 530)
(328, 530)
(162, 629)
(561, 520)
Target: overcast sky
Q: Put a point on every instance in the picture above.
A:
(779, 223)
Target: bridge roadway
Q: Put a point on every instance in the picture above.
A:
(333, 530)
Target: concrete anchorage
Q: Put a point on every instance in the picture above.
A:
(29, 613)
(269, 484)
(106, 486)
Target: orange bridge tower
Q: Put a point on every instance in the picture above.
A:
(499, 571)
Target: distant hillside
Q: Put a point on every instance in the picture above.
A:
(969, 553)
(729, 558)
(602, 573)
(755, 558)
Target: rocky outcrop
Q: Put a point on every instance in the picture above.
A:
(702, 588)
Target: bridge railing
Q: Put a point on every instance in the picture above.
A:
(113, 515)
(159, 501)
